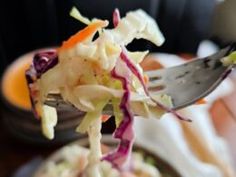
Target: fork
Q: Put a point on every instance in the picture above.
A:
(185, 84)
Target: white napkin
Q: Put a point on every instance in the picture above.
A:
(165, 136)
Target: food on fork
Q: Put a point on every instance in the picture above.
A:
(91, 69)
(89, 72)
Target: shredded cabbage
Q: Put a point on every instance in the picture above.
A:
(91, 73)
(49, 121)
(92, 116)
(77, 15)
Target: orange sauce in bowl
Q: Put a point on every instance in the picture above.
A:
(14, 87)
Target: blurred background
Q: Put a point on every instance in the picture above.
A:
(26, 25)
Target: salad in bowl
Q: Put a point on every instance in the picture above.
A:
(71, 160)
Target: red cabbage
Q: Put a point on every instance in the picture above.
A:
(124, 131)
(136, 72)
(116, 17)
(42, 62)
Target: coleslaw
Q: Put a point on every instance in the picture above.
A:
(91, 72)
(71, 161)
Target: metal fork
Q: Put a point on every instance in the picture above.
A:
(185, 84)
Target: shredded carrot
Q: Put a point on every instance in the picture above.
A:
(105, 118)
(83, 34)
(145, 78)
(201, 101)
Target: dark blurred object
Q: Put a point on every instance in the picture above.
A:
(27, 25)
(23, 126)
(2, 57)
(14, 154)
(29, 168)
(185, 23)
(223, 24)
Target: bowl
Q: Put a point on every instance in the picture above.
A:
(164, 168)
(17, 116)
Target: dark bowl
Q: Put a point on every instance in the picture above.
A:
(22, 125)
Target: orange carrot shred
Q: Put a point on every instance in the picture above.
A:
(145, 79)
(83, 34)
(201, 101)
(105, 118)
